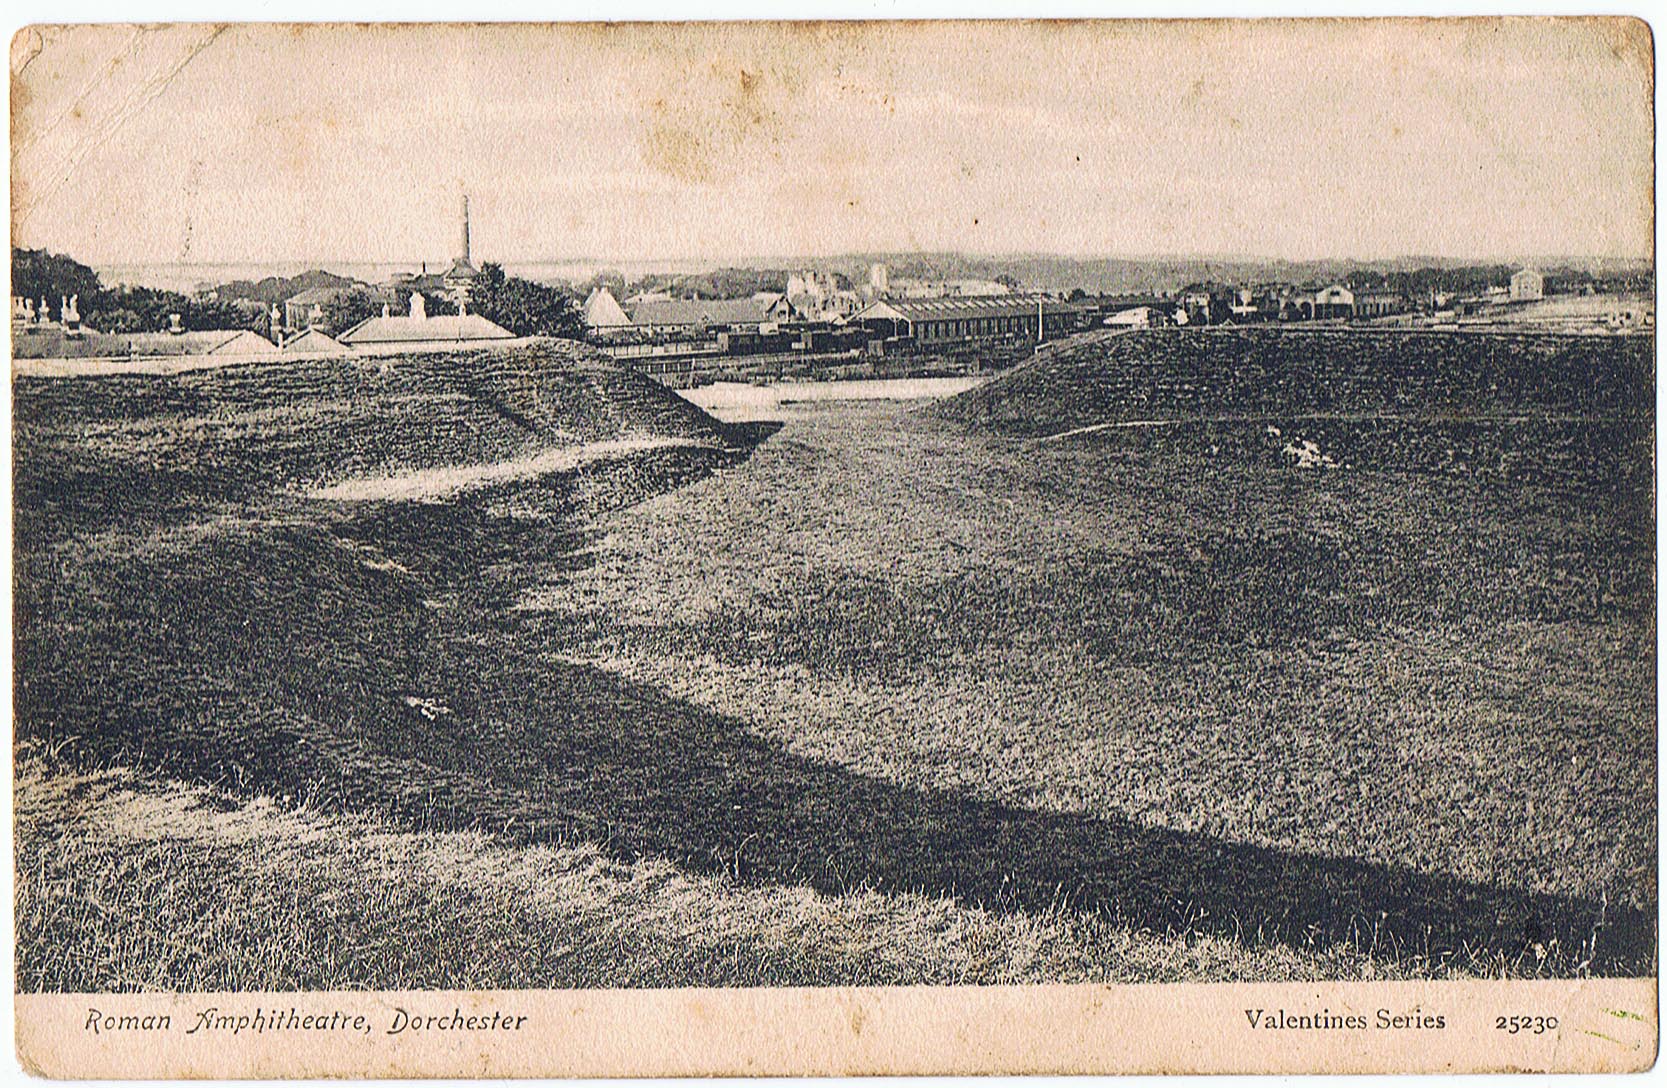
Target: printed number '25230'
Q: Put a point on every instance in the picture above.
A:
(1538, 1025)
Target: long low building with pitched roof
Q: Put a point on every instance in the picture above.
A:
(420, 332)
(447, 329)
(949, 319)
(51, 342)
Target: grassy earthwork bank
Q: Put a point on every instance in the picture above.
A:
(519, 671)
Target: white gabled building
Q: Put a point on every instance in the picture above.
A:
(1334, 301)
(1140, 317)
(315, 342)
(1527, 285)
(603, 311)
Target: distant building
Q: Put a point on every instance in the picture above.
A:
(1289, 302)
(840, 305)
(42, 338)
(678, 314)
(307, 308)
(879, 278)
(1208, 302)
(811, 283)
(456, 282)
(1334, 301)
(808, 306)
(199, 342)
(1378, 303)
(833, 306)
(944, 320)
(1527, 285)
(1257, 302)
(817, 296)
(1140, 317)
(420, 332)
(603, 311)
(315, 342)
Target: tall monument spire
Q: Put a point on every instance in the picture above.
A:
(463, 252)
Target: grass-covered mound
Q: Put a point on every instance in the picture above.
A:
(122, 449)
(192, 599)
(1224, 374)
(1420, 670)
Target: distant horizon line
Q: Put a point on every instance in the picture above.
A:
(789, 260)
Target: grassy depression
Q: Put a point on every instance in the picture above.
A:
(895, 696)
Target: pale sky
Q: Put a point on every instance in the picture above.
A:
(1275, 139)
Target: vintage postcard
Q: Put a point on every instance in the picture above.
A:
(833, 548)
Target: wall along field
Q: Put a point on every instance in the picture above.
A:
(1171, 655)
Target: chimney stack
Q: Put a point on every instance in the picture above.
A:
(464, 241)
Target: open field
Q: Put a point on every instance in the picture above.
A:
(897, 694)
(1575, 312)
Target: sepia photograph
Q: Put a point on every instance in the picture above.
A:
(795, 538)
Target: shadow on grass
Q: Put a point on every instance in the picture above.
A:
(475, 727)
(586, 751)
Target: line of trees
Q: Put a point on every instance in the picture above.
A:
(347, 309)
(37, 274)
(718, 283)
(1476, 279)
(147, 309)
(523, 307)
